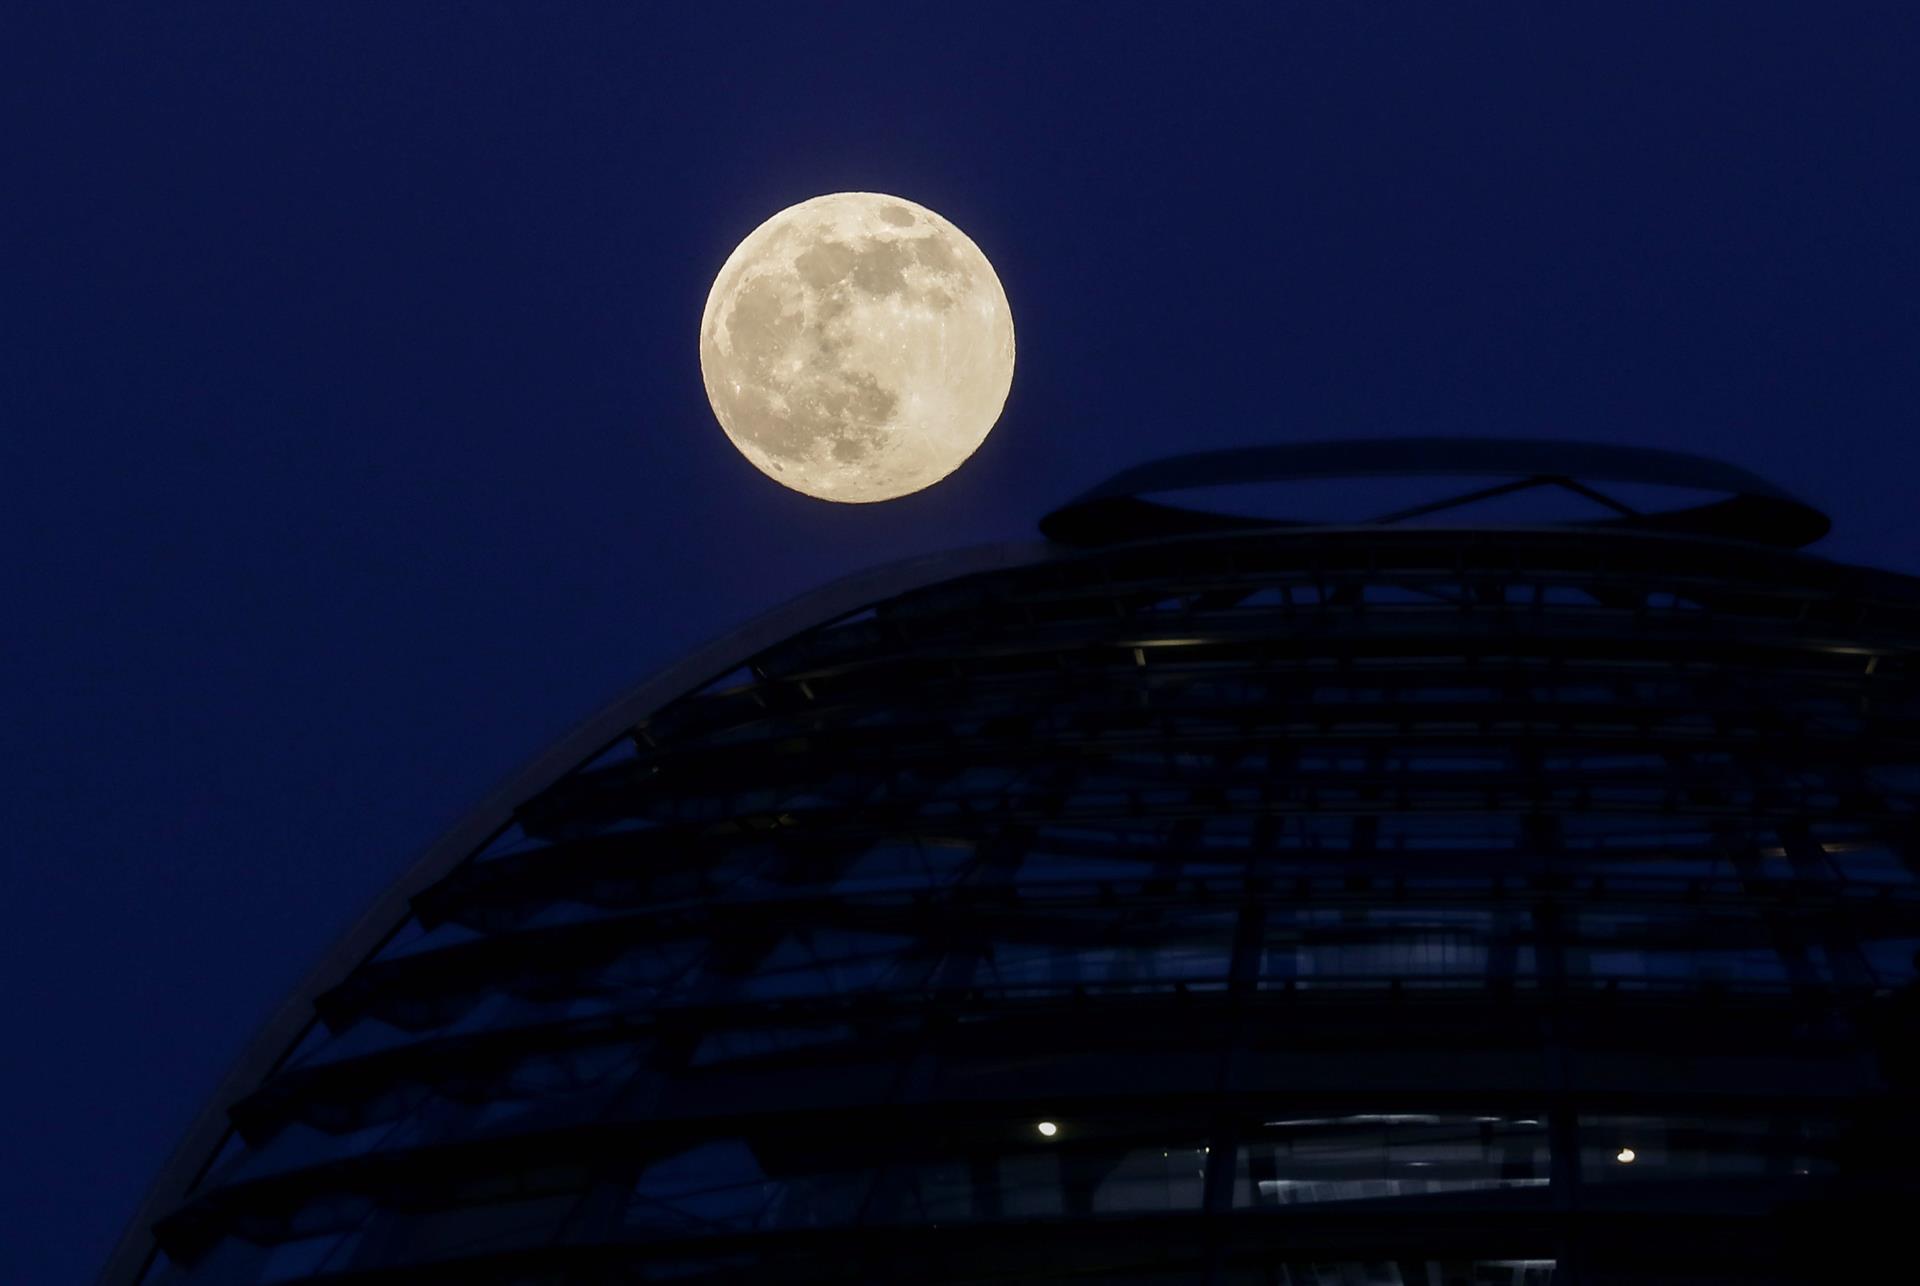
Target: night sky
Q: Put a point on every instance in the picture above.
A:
(354, 445)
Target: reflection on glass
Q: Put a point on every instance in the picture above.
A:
(1305, 1161)
(727, 1185)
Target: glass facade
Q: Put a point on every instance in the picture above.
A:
(1277, 906)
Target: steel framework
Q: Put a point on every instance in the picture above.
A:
(1361, 904)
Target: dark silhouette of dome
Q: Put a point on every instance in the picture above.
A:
(1191, 899)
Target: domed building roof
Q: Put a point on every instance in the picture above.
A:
(1191, 898)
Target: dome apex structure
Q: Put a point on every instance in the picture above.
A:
(1720, 500)
(1186, 899)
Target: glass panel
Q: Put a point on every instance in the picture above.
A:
(714, 1187)
(1639, 1149)
(893, 864)
(1894, 961)
(816, 961)
(723, 1186)
(1375, 945)
(1160, 1180)
(1307, 1160)
(1405, 1272)
(1064, 965)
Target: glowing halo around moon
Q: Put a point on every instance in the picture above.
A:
(857, 347)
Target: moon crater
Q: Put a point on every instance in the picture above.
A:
(857, 347)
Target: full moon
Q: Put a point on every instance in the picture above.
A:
(857, 347)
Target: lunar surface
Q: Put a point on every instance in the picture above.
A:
(857, 347)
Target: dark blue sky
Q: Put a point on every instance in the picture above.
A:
(353, 440)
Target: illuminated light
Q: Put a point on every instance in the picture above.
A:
(1047, 1128)
(1624, 1156)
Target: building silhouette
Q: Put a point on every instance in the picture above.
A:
(1470, 894)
